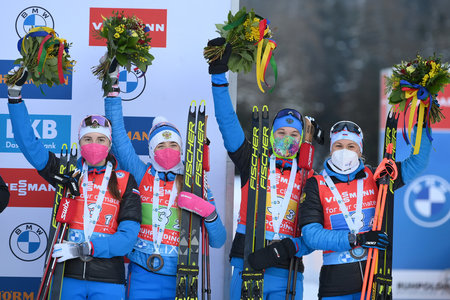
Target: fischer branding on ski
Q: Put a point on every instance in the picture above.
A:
(252, 280)
(188, 251)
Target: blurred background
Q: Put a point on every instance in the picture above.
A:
(330, 53)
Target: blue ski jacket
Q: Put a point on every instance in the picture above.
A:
(130, 161)
(109, 249)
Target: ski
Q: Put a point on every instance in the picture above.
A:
(58, 276)
(382, 286)
(377, 283)
(188, 251)
(253, 280)
(57, 230)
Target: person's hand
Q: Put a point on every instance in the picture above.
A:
(70, 250)
(196, 204)
(220, 65)
(372, 239)
(70, 181)
(272, 255)
(14, 91)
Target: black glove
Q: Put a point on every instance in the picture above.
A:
(220, 65)
(272, 255)
(14, 91)
(372, 239)
(70, 181)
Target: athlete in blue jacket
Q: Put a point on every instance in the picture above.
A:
(347, 187)
(287, 132)
(107, 214)
(153, 267)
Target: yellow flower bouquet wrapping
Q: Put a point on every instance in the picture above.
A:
(127, 40)
(250, 38)
(417, 83)
(46, 57)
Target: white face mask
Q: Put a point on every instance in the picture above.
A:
(344, 161)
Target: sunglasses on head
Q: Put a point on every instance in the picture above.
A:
(289, 112)
(93, 119)
(352, 127)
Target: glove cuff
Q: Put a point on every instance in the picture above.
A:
(217, 69)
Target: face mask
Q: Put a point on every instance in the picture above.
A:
(94, 153)
(167, 158)
(285, 147)
(344, 161)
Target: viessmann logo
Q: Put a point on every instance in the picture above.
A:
(27, 188)
(155, 19)
(137, 130)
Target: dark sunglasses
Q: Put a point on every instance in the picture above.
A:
(352, 127)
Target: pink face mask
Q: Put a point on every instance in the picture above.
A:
(167, 158)
(94, 153)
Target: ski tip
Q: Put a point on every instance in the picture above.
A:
(193, 103)
(255, 108)
(74, 149)
(265, 108)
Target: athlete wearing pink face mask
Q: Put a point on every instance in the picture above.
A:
(153, 261)
(106, 215)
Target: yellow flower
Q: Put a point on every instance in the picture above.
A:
(410, 69)
(424, 80)
(133, 33)
(116, 35)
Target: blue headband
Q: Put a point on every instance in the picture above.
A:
(287, 121)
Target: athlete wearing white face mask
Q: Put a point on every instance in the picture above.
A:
(338, 209)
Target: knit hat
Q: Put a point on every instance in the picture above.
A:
(95, 123)
(346, 130)
(163, 131)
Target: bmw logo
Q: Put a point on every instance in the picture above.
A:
(33, 16)
(427, 201)
(132, 84)
(28, 241)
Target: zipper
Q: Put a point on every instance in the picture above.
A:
(84, 270)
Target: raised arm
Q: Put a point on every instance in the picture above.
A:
(122, 147)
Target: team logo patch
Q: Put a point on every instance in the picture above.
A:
(120, 174)
(289, 121)
(33, 16)
(28, 241)
(167, 134)
(427, 201)
(132, 84)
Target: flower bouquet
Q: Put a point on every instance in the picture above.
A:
(418, 82)
(248, 34)
(127, 40)
(45, 56)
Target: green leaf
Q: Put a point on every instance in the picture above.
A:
(121, 58)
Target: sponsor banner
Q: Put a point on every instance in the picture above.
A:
(443, 99)
(422, 211)
(421, 284)
(27, 188)
(52, 131)
(24, 234)
(137, 130)
(19, 288)
(155, 19)
(30, 91)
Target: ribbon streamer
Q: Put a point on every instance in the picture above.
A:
(266, 58)
(414, 93)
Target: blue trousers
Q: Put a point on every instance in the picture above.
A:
(143, 284)
(74, 289)
(355, 296)
(274, 285)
